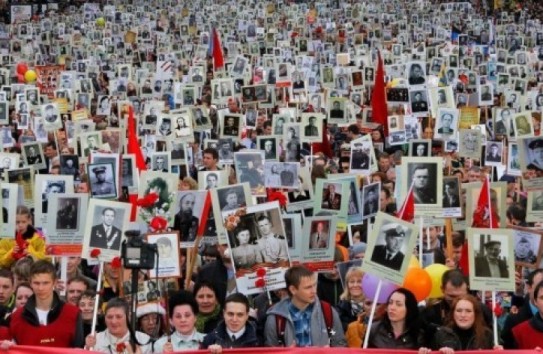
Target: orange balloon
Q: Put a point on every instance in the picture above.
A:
(418, 282)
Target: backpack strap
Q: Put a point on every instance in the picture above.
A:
(328, 317)
(280, 324)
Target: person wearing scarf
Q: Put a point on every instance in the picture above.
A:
(209, 309)
(529, 334)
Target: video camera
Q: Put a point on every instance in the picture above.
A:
(136, 253)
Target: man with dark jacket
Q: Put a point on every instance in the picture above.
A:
(526, 312)
(46, 320)
(453, 285)
(235, 331)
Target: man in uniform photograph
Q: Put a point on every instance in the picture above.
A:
(105, 234)
(422, 192)
(101, 186)
(390, 254)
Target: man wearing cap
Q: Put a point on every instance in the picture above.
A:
(105, 234)
(537, 152)
(489, 264)
(311, 129)
(101, 186)
(494, 155)
(390, 254)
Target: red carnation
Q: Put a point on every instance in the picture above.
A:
(274, 195)
(158, 223)
(260, 283)
(95, 253)
(148, 201)
(120, 347)
(116, 262)
(261, 272)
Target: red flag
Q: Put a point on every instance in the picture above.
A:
(133, 147)
(407, 211)
(484, 215)
(463, 264)
(378, 97)
(218, 59)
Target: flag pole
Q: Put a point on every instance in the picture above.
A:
(372, 313)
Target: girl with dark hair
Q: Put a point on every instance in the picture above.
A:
(118, 334)
(399, 327)
(464, 329)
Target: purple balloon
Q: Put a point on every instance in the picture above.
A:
(369, 287)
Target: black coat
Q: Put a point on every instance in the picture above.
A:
(215, 273)
(220, 336)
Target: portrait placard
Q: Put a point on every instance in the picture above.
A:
(354, 203)
(331, 197)
(250, 168)
(528, 246)
(292, 224)
(531, 162)
(10, 200)
(33, 155)
(188, 215)
(102, 180)
(470, 143)
(160, 189)
(208, 180)
(281, 175)
(104, 228)
(168, 255)
(47, 185)
(256, 238)
(362, 156)
(318, 242)
(491, 259)
(66, 228)
(426, 176)
(371, 199)
(301, 198)
(270, 145)
(24, 177)
(391, 242)
(226, 201)
(452, 203)
(420, 147)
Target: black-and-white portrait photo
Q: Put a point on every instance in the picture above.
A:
(69, 165)
(422, 177)
(391, 245)
(231, 198)
(67, 214)
(268, 144)
(490, 262)
(451, 192)
(106, 231)
(371, 196)
(33, 154)
(102, 180)
(319, 237)
(527, 245)
(281, 174)
(160, 161)
(331, 196)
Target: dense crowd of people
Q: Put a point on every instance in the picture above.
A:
(191, 90)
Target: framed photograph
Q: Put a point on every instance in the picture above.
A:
(493, 155)
(8, 161)
(226, 151)
(50, 113)
(292, 224)
(337, 112)
(319, 242)
(10, 200)
(281, 174)
(420, 147)
(419, 102)
(447, 123)
(226, 201)
(250, 168)
(200, 118)
(24, 177)
(452, 203)
(528, 247)
(354, 203)
(168, 255)
(425, 174)
(188, 215)
(357, 233)
(416, 73)
(312, 130)
(104, 228)
(164, 187)
(491, 259)
(302, 197)
(164, 126)
(66, 228)
(392, 241)
(90, 142)
(513, 160)
(486, 95)
(129, 173)
(102, 180)
(69, 166)
(208, 180)
(362, 156)
(531, 162)
(470, 143)
(231, 126)
(114, 159)
(371, 200)
(257, 239)
(181, 120)
(161, 162)
(331, 197)
(33, 155)
(47, 185)
(523, 125)
(270, 145)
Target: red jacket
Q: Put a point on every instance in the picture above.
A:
(526, 336)
(64, 326)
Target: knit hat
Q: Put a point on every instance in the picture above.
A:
(150, 307)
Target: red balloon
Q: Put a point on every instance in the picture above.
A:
(418, 282)
(22, 68)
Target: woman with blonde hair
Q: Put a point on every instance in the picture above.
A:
(351, 302)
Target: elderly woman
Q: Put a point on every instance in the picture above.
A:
(117, 334)
(183, 310)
